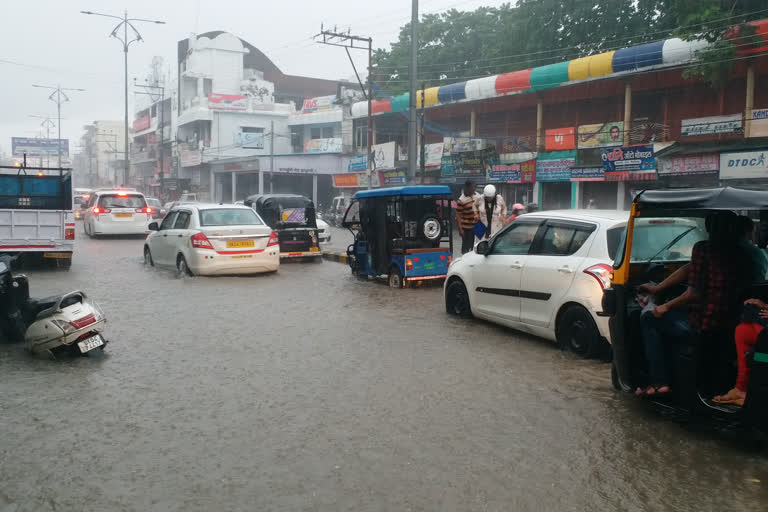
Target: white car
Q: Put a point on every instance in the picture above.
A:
(323, 231)
(116, 212)
(544, 274)
(213, 239)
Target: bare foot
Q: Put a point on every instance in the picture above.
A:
(731, 397)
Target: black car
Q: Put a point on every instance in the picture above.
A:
(158, 210)
(293, 218)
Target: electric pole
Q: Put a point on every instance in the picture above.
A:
(412, 70)
(56, 96)
(347, 41)
(161, 122)
(47, 123)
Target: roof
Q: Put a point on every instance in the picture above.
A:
(601, 216)
(212, 206)
(285, 200)
(726, 198)
(416, 190)
(693, 148)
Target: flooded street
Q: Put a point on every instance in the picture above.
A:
(313, 390)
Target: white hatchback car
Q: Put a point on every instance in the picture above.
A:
(116, 212)
(213, 239)
(544, 274)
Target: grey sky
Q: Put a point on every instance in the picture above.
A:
(55, 44)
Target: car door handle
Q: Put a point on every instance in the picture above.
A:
(565, 270)
(516, 264)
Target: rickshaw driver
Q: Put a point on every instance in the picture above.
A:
(718, 270)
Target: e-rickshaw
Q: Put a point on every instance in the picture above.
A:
(403, 233)
(293, 218)
(696, 375)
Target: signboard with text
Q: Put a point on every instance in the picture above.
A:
(319, 104)
(433, 154)
(332, 145)
(744, 165)
(355, 180)
(629, 163)
(142, 123)
(704, 163)
(227, 102)
(587, 174)
(555, 166)
(394, 177)
(710, 125)
(524, 172)
(475, 163)
(601, 135)
(39, 147)
(358, 163)
(383, 155)
(759, 123)
(559, 139)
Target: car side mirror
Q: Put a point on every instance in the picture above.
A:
(153, 226)
(483, 248)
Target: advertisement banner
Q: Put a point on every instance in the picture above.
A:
(396, 177)
(227, 102)
(355, 180)
(744, 165)
(475, 163)
(710, 125)
(383, 156)
(251, 140)
(524, 172)
(433, 154)
(447, 168)
(587, 174)
(462, 144)
(705, 163)
(759, 123)
(516, 144)
(141, 123)
(629, 163)
(39, 147)
(559, 139)
(601, 135)
(323, 146)
(358, 163)
(190, 157)
(319, 104)
(555, 166)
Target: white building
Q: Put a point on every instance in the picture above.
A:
(102, 153)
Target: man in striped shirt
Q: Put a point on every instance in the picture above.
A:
(466, 216)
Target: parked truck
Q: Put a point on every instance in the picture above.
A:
(36, 217)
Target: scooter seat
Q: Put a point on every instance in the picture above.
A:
(35, 306)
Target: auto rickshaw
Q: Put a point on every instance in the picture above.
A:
(696, 376)
(403, 233)
(293, 218)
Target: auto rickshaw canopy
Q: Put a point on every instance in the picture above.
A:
(414, 190)
(724, 198)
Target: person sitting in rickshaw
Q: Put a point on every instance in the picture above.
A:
(718, 270)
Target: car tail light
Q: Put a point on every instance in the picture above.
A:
(122, 194)
(408, 264)
(98, 210)
(272, 239)
(602, 273)
(146, 210)
(200, 241)
(69, 234)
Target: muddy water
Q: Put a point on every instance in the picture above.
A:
(312, 390)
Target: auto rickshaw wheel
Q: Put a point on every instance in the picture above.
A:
(430, 227)
(395, 279)
(576, 331)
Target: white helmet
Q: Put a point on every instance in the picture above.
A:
(489, 191)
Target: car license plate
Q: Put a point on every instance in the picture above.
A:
(314, 249)
(238, 244)
(90, 343)
(124, 215)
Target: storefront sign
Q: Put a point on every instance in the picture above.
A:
(559, 139)
(475, 163)
(744, 165)
(251, 139)
(319, 104)
(555, 166)
(711, 125)
(629, 163)
(433, 155)
(524, 172)
(759, 123)
(396, 177)
(587, 174)
(516, 144)
(383, 156)
(190, 157)
(705, 163)
(227, 102)
(295, 170)
(358, 163)
(141, 123)
(601, 135)
(447, 168)
(323, 146)
(355, 180)
(462, 144)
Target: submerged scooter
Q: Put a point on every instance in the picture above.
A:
(49, 325)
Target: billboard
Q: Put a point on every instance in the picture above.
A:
(332, 145)
(433, 154)
(629, 163)
(319, 104)
(383, 156)
(759, 123)
(558, 139)
(38, 147)
(227, 102)
(358, 163)
(702, 163)
(555, 166)
(601, 135)
(355, 180)
(710, 125)
(747, 164)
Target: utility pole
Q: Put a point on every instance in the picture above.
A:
(125, 22)
(347, 41)
(412, 70)
(47, 123)
(161, 117)
(56, 96)
(422, 145)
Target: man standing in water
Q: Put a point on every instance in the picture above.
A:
(466, 216)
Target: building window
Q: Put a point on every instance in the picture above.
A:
(361, 137)
(327, 132)
(251, 138)
(316, 133)
(297, 141)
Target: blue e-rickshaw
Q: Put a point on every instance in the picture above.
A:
(402, 233)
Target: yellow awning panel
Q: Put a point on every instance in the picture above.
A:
(601, 65)
(578, 69)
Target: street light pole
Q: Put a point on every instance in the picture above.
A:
(125, 22)
(47, 124)
(58, 92)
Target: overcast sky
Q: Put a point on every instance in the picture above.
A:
(49, 42)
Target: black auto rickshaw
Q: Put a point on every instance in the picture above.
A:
(293, 218)
(403, 233)
(648, 254)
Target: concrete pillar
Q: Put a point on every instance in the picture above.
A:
(537, 194)
(539, 125)
(473, 123)
(620, 191)
(750, 102)
(234, 186)
(212, 186)
(271, 183)
(261, 182)
(373, 131)
(200, 88)
(314, 189)
(627, 111)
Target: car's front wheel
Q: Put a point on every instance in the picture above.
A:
(457, 299)
(577, 332)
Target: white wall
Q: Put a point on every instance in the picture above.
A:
(227, 125)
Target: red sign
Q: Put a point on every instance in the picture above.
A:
(227, 102)
(345, 180)
(141, 123)
(559, 139)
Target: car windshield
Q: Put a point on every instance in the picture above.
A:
(155, 203)
(122, 201)
(659, 239)
(229, 217)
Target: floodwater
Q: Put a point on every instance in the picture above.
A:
(312, 390)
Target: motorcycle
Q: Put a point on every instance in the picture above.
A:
(51, 325)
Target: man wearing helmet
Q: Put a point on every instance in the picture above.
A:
(517, 209)
(492, 211)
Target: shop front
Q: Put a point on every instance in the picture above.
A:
(700, 170)
(514, 178)
(593, 190)
(553, 174)
(746, 169)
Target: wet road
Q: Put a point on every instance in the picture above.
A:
(311, 390)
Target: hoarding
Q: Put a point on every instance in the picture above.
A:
(251, 140)
(355, 180)
(358, 163)
(383, 156)
(744, 165)
(319, 104)
(704, 163)
(142, 123)
(524, 172)
(227, 102)
(395, 177)
(629, 163)
(433, 154)
(759, 123)
(559, 139)
(475, 163)
(39, 147)
(555, 166)
(332, 145)
(587, 174)
(601, 135)
(710, 125)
